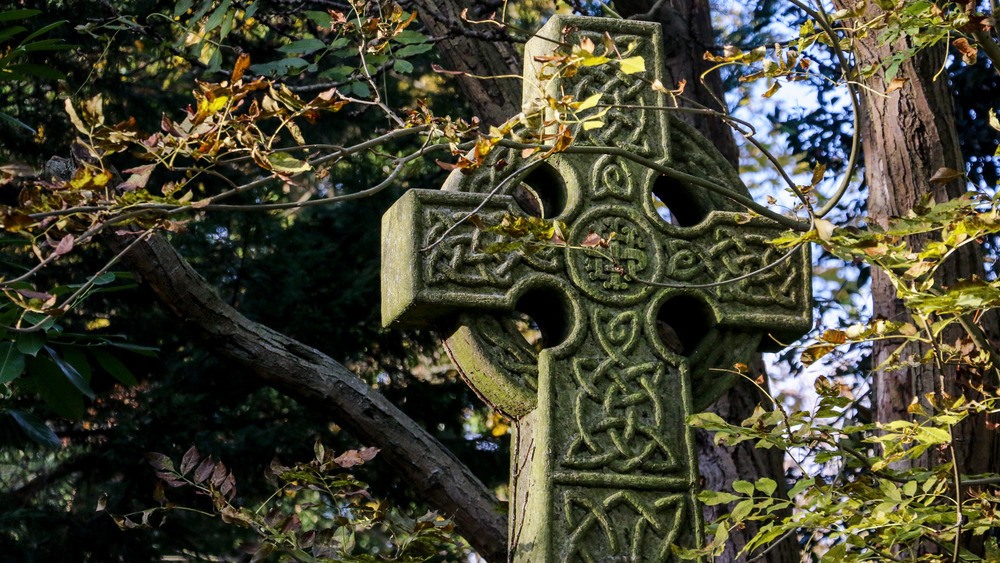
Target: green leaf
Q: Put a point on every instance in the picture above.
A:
(149, 351)
(401, 66)
(744, 487)
(216, 18)
(303, 46)
(322, 19)
(18, 14)
(742, 510)
(800, 486)
(766, 486)
(71, 374)
(408, 37)
(75, 357)
(411, 50)
(360, 89)
(30, 343)
(712, 498)
(182, 7)
(11, 362)
(115, 367)
(931, 435)
(35, 429)
(40, 71)
(43, 30)
(11, 31)
(14, 121)
(59, 394)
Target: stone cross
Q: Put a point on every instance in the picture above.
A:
(603, 466)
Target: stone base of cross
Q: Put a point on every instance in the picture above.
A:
(603, 467)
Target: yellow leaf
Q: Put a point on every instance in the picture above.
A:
(594, 124)
(774, 88)
(75, 118)
(824, 229)
(589, 102)
(815, 352)
(217, 104)
(594, 61)
(835, 336)
(632, 65)
(896, 84)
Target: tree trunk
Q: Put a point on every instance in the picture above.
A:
(907, 136)
(687, 35)
(483, 51)
(325, 386)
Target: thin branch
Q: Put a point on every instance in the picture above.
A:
(852, 162)
(517, 174)
(745, 201)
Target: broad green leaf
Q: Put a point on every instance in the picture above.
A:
(744, 487)
(11, 362)
(766, 486)
(215, 19)
(712, 498)
(29, 343)
(76, 358)
(115, 367)
(407, 37)
(742, 509)
(415, 49)
(303, 46)
(35, 429)
(182, 7)
(932, 435)
(799, 486)
(59, 394)
(322, 19)
(360, 89)
(402, 66)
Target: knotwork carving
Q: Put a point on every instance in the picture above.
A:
(460, 260)
(621, 527)
(620, 418)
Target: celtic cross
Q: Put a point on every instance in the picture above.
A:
(604, 467)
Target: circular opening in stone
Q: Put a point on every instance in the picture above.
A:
(682, 322)
(543, 315)
(677, 202)
(541, 193)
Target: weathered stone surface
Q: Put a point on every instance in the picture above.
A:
(604, 467)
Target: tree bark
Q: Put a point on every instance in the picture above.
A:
(687, 35)
(322, 384)
(483, 51)
(907, 136)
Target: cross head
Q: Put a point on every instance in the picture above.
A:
(603, 467)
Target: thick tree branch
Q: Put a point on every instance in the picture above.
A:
(320, 383)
